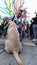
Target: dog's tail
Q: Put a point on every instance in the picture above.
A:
(18, 58)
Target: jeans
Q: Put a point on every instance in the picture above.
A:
(35, 31)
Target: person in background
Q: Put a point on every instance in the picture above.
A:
(17, 17)
(5, 26)
(0, 30)
(35, 28)
(31, 29)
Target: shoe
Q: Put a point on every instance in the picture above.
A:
(34, 40)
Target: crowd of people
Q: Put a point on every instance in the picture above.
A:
(33, 28)
(30, 31)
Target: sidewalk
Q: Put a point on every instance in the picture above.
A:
(28, 42)
(28, 55)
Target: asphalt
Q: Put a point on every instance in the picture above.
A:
(28, 54)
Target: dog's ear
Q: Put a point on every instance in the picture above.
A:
(12, 24)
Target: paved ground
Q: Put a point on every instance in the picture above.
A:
(28, 54)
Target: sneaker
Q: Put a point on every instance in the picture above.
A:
(34, 40)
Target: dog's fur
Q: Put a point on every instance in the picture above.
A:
(13, 44)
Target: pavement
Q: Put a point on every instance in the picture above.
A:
(28, 54)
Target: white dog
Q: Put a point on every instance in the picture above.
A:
(13, 44)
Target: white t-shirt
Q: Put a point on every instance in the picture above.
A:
(16, 19)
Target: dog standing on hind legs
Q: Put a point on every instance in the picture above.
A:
(13, 43)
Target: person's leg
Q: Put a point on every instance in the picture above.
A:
(31, 32)
(22, 34)
(35, 31)
(35, 34)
